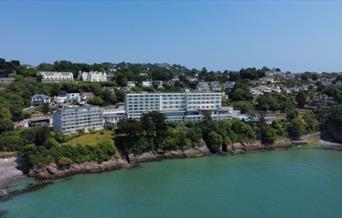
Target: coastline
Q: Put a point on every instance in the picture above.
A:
(45, 175)
(52, 171)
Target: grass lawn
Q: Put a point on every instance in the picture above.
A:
(91, 138)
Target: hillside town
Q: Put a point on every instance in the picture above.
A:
(136, 108)
(184, 96)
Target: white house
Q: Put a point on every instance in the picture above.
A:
(130, 84)
(55, 77)
(73, 97)
(60, 99)
(93, 76)
(146, 84)
(40, 99)
(215, 86)
(228, 85)
(158, 83)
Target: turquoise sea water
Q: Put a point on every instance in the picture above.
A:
(293, 183)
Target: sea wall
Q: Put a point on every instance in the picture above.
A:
(53, 171)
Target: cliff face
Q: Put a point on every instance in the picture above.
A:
(52, 171)
(243, 147)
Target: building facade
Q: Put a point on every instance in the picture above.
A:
(74, 119)
(6, 80)
(73, 97)
(40, 99)
(56, 77)
(114, 114)
(93, 76)
(186, 106)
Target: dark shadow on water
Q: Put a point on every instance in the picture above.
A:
(3, 213)
(30, 188)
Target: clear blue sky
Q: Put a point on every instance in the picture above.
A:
(296, 36)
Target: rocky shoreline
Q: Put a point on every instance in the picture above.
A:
(9, 170)
(52, 171)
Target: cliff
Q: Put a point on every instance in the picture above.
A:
(52, 171)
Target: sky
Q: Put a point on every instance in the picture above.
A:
(292, 35)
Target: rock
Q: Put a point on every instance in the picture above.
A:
(237, 146)
(51, 171)
(254, 147)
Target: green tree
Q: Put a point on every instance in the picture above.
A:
(333, 122)
(268, 135)
(214, 141)
(240, 92)
(154, 123)
(311, 122)
(295, 128)
(6, 125)
(301, 99)
(64, 161)
(5, 113)
(96, 101)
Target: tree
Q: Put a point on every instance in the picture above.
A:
(240, 92)
(214, 141)
(96, 101)
(6, 125)
(154, 123)
(311, 122)
(130, 127)
(268, 135)
(5, 113)
(244, 106)
(267, 102)
(333, 122)
(295, 128)
(301, 99)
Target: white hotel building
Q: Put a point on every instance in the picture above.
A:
(74, 119)
(185, 106)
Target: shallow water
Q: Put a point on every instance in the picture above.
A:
(292, 183)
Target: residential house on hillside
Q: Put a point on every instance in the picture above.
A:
(130, 84)
(203, 87)
(60, 99)
(228, 85)
(73, 97)
(6, 80)
(215, 86)
(158, 83)
(93, 76)
(319, 100)
(40, 99)
(56, 77)
(40, 121)
(273, 73)
(326, 81)
(266, 80)
(86, 96)
(265, 89)
(146, 84)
